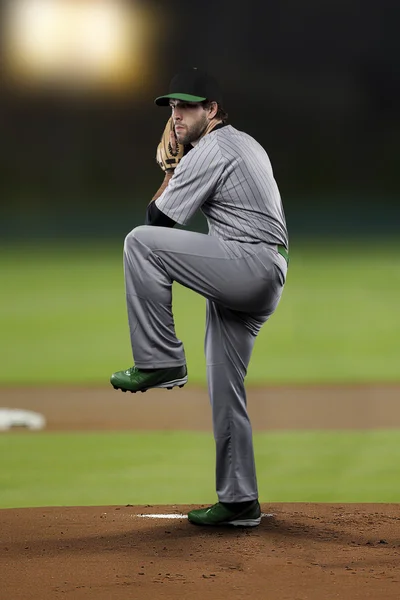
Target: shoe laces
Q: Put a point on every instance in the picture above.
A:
(131, 370)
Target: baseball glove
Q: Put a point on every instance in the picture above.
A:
(169, 151)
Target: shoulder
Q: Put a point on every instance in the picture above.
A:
(238, 135)
(214, 141)
(232, 140)
(230, 134)
(208, 147)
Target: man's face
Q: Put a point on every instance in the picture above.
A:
(190, 120)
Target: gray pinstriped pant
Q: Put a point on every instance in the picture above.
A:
(241, 292)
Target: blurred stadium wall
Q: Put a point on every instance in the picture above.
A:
(316, 83)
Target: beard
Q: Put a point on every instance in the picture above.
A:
(194, 132)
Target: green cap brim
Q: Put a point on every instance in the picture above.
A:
(164, 100)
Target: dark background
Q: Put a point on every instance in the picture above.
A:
(317, 83)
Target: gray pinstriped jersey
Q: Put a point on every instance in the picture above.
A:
(229, 176)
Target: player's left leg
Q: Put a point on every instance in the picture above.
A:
(239, 278)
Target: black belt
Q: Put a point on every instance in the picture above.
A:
(283, 252)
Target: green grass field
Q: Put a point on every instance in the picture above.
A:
(63, 321)
(63, 317)
(49, 469)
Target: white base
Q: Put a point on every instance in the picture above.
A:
(253, 523)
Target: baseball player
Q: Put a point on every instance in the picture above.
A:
(239, 267)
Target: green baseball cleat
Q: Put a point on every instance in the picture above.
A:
(135, 380)
(239, 514)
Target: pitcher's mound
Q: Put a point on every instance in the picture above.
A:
(299, 552)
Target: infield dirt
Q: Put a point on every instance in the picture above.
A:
(299, 552)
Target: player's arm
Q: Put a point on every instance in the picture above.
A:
(164, 185)
(154, 216)
(183, 191)
(168, 155)
(195, 180)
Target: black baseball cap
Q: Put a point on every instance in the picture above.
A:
(192, 85)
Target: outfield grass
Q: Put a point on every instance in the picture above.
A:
(63, 317)
(52, 469)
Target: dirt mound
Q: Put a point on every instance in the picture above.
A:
(299, 552)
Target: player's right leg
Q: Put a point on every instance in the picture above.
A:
(229, 343)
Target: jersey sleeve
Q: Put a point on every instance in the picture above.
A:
(194, 181)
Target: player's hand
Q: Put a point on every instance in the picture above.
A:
(169, 150)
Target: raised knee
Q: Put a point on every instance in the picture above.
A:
(135, 235)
